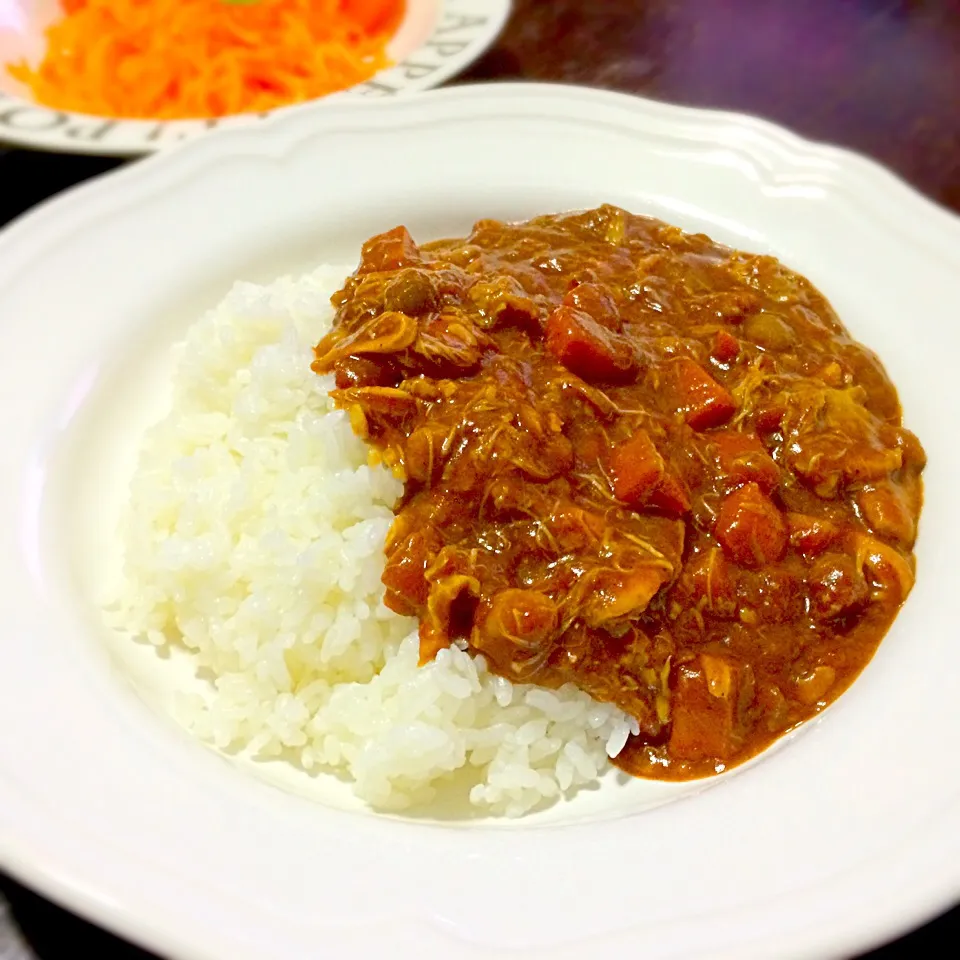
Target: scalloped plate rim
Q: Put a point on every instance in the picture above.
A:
(846, 173)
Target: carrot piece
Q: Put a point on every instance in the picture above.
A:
(636, 468)
(587, 349)
(708, 583)
(703, 714)
(750, 528)
(696, 395)
(769, 419)
(389, 251)
(742, 458)
(725, 347)
(671, 496)
(640, 476)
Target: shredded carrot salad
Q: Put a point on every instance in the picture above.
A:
(175, 59)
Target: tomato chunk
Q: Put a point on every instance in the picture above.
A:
(641, 477)
(742, 458)
(697, 396)
(750, 528)
(588, 349)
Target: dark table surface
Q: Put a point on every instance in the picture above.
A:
(878, 76)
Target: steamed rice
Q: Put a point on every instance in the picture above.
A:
(254, 537)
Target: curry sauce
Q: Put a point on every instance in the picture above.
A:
(637, 461)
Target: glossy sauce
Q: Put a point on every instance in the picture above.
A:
(637, 461)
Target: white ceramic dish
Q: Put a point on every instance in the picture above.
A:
(844, 836)
(436, 40)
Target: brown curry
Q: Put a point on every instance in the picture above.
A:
(637, 461)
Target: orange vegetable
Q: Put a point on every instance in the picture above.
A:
(640, 477)
(588, 349)
(750, 528)
(708, 583)
(742, 458)
(176, 59)
(725, 347)
(704, 712)
(703, 402)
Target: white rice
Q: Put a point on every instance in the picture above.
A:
(254, 536)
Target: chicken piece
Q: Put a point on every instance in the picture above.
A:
(887, 513)
(517, 630)
(811, 536)
(386, 333)
(613, 595)
(832, 439)
(411, 292)
(890, 573)
(449, 616)
(812, 685)
(405, 569)
(707, 583)
(837, 587)
(595, 300)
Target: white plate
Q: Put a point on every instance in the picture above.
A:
(844, 836)
(436, 40)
